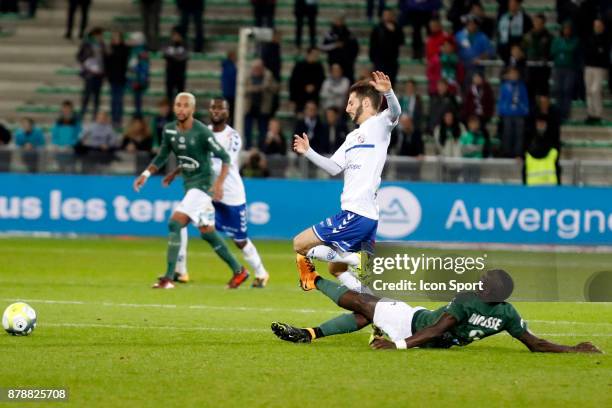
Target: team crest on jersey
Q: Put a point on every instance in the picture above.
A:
(188, 163)
(181, 139)
(360, 139)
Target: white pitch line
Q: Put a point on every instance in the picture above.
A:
(168, 328)
(243, 329)
(249, 309)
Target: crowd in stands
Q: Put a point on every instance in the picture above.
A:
(457, 111)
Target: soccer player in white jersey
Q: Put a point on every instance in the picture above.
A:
(230, 212)
(338, 239)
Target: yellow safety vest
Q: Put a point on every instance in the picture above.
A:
(542, 172)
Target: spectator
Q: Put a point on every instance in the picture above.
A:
(342, 47)
(176, 56)
(385, 41)
(229, 73)
(550, 112)
(162, 118)
(511, 28)
(564, 53)
(261, 88)
(256, 166)
(408, 139)
(487, 24)
(417, 13)
(334, 91)
(479, 100)
(263, 10)
(275, 142)
(597, 61)
(67, 128)
(192, 9)
(116, 71)
(473, 140)
(447, 134)
(334, 128)
(443, 101)
(513, 108)
(536, 44)
(271, 55)
(412, 104)
(370, 9)
(91, 57)
(5, 134)
(312, 126)
(306, 80)
(474, 46)
(436, 38)
(72, 8)
(29, 136)
(449, 65)
(151, 14)
(138, 71)
(517, 60)
(457, 10)
(541, 164)
(99, 135)
(137, 138)
(308, 9)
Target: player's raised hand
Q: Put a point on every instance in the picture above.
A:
(382, 344)
(586, 347)
(301, 143)
(380, 81)
(139, 182)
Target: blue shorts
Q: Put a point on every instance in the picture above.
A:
(347, 231)
(232, 220)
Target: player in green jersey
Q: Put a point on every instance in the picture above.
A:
(469, 316)
(193, 144)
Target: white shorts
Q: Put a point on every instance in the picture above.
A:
(394, 317)
(198, 206)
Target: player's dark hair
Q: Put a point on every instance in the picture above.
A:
(363, 89)
(497, 285)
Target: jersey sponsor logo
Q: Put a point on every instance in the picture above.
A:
(188, 163)
(400, 212)
(486, 322)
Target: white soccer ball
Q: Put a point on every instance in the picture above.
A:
(19, 319)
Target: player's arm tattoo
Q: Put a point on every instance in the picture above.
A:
(538, 345)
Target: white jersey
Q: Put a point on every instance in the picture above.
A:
(362, 156)
(233, 188)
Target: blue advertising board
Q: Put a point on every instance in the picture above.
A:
(107, 205)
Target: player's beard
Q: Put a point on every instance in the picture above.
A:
(217, 121)
(358, 114)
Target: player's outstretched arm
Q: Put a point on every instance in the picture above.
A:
(538, 345)
(301, 145)
(142, 179)
(446, 322)
(381, 82)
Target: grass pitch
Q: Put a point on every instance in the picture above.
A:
(112, 341)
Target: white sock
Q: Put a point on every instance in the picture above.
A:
(252, 257)
(327, 254)
(350, 281)
(181, 261)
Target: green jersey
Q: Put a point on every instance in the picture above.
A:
(476, 320)
(193, 150)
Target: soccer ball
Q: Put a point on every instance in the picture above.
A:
(19, 319)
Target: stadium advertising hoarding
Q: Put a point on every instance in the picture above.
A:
(282, 208)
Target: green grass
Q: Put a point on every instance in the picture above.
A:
(123, 344)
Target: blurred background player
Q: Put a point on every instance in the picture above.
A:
(361, 157)
(193, 144)
(230, 211)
